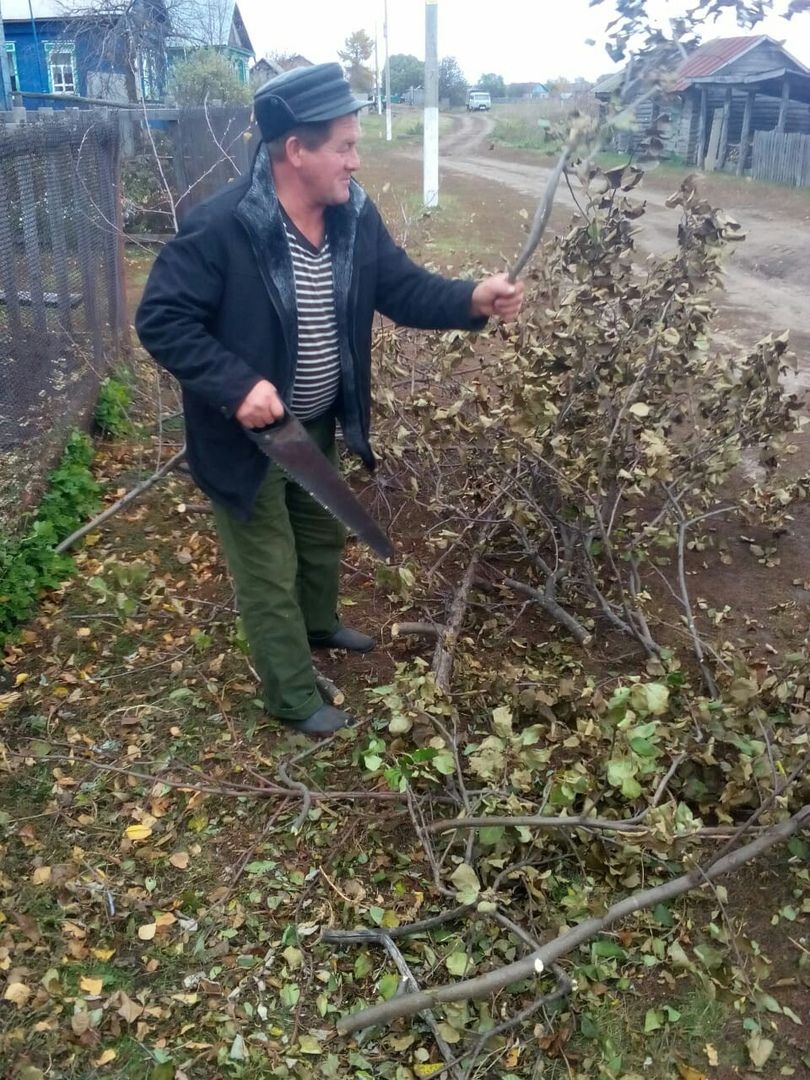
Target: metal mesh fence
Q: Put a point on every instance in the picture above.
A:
(61, 289)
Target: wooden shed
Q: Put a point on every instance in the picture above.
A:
(724, 92)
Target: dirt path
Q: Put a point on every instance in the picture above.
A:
(766, 277)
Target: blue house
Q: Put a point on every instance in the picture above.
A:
(62, 48)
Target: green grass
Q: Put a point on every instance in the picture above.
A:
(612, 1039)
(406, 127)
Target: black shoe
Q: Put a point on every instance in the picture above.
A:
(324, 721)
(344, 638)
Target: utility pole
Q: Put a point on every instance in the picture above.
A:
(5, 81)
(388, 133)
(377, 87)
(430, 186)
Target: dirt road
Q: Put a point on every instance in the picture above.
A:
(767, 276)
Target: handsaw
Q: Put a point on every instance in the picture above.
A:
(288, 445)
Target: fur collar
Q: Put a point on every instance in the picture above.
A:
(260, 213)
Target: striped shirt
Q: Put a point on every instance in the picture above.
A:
(317, 372)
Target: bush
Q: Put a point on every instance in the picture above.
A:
(207, 76)
(29, 565)
(112, 408)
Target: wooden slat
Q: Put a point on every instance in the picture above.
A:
(781, 159)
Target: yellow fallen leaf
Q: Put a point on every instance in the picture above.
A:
(138, 832)
(7, 700)
(17, 993)
(105, 1057)
(180, 859)
(41, 876)
(147, 931)
(686, 1072)
(103, 954)
(712, 1055)
(21, 678)
(428, 1069)
(84, 631)
(90, 986)
(165, 918)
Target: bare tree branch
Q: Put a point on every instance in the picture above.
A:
(539, 961)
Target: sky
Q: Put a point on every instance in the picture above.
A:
(522, 40)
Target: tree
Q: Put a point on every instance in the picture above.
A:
(207, 76)
(452, 84)
(493, 84)
(357, 49)
(204, 23)
(406, 71)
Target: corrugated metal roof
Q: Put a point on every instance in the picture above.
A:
(710, 58)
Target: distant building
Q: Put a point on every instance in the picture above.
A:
(295, 60)
(263, 71)
(721, 94)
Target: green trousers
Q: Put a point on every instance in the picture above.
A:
(285, 564)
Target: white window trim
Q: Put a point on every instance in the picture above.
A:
(13, 71)
(64, 47)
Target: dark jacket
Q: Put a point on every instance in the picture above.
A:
(219, 313)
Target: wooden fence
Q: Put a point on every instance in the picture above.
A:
(201, 149)
(782, 159)
(62, 311)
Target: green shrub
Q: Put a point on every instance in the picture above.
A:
(207, 76)
(112, 408)
(30, 564)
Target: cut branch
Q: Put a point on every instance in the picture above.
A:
(446, 645)
(547, 602)
(125, 500)
(382, 937)
(537, 962)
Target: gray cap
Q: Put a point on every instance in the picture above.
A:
(306, 95)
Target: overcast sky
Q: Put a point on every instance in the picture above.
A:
(523, 40)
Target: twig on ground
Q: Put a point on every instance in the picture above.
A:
(543, 958)
(383, 937)
(125, 500)
(417, 629)
(546, 601)
(333, 694)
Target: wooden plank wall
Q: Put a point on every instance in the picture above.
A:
(782, 159)
(61, 271)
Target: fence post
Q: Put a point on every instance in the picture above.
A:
(745, 135)
(122, 336)
(8, 257)
(700, 156)
(33, 254)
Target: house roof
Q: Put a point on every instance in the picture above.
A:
(705, 64)
(287, 63)
(710, 58)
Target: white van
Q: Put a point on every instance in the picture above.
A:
(478, 101)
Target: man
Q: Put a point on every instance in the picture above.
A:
(265, 300)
